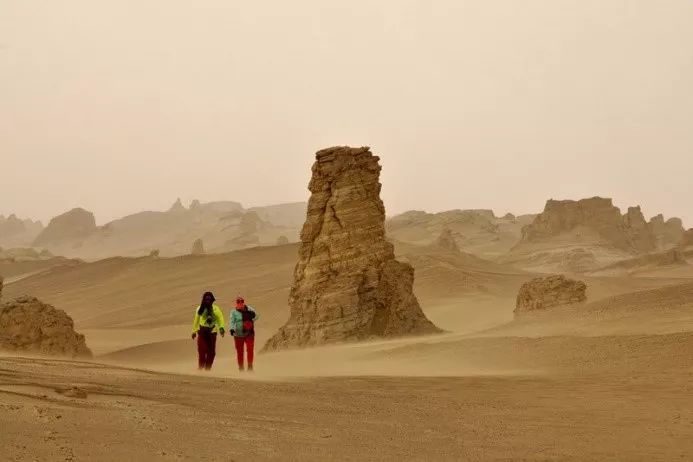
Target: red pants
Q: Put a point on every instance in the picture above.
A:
(206, 349)
(249, 342)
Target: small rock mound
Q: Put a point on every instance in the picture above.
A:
(447, 241)
(29, 325)
(547, 292)
(282, 240)
(198, 247)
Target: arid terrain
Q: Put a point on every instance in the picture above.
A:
(609, 379)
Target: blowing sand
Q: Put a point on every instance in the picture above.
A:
(609, 380)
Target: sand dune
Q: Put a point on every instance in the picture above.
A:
(609, 379)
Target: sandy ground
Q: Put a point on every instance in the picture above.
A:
(609, 380)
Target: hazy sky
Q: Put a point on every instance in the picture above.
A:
(124, 105)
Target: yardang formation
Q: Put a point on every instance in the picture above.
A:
(347, 283)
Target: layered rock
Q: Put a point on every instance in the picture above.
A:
(347, 283)
(548, 292)
(28, 325)
(629, 233)
(73, 225)
(563, 216)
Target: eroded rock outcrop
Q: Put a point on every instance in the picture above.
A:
(667, 233)
(548, 292)
(70, 226)
(562, 216)
(31, 326)
(347, 283)
(447, 241)
(629, 232)
(198, 247)
(686, 240)
(282, 240)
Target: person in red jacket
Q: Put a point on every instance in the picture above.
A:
(242, 328)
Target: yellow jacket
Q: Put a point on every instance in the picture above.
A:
(216, 321)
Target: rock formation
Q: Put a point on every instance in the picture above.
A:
(637, 229)
(667, 233)
(15, 232)
(154, 253)
(198, 247)
(446, 241)
(547, 292)
(177, 206)
(347, 283)
(28, 325)
(282, 240)
(73, 225)
(562, 216)
(630, 232)
(686, 239)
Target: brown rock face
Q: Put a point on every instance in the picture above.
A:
(28, 325)
(629, 232)
(347, 283)
(75, 224)
(543, 293)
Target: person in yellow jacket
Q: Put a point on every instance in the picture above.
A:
(208, 321)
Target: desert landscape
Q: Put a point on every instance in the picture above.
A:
(450, 231)
(575, 342)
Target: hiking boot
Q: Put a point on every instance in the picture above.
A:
(250, 368)
(241, 368)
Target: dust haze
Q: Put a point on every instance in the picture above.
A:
(453, 230)
(124, 106)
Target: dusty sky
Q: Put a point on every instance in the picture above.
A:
(124, 105)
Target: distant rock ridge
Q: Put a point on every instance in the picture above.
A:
(629, 232)
(547, 292)
(347, 283)
(16, 232)
(73, 225)
(30, 326)
(224, 225)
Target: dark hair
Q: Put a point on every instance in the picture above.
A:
(204, 306)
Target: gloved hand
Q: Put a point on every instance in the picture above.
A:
(194, 335)
(222, 331)
(232, 332)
